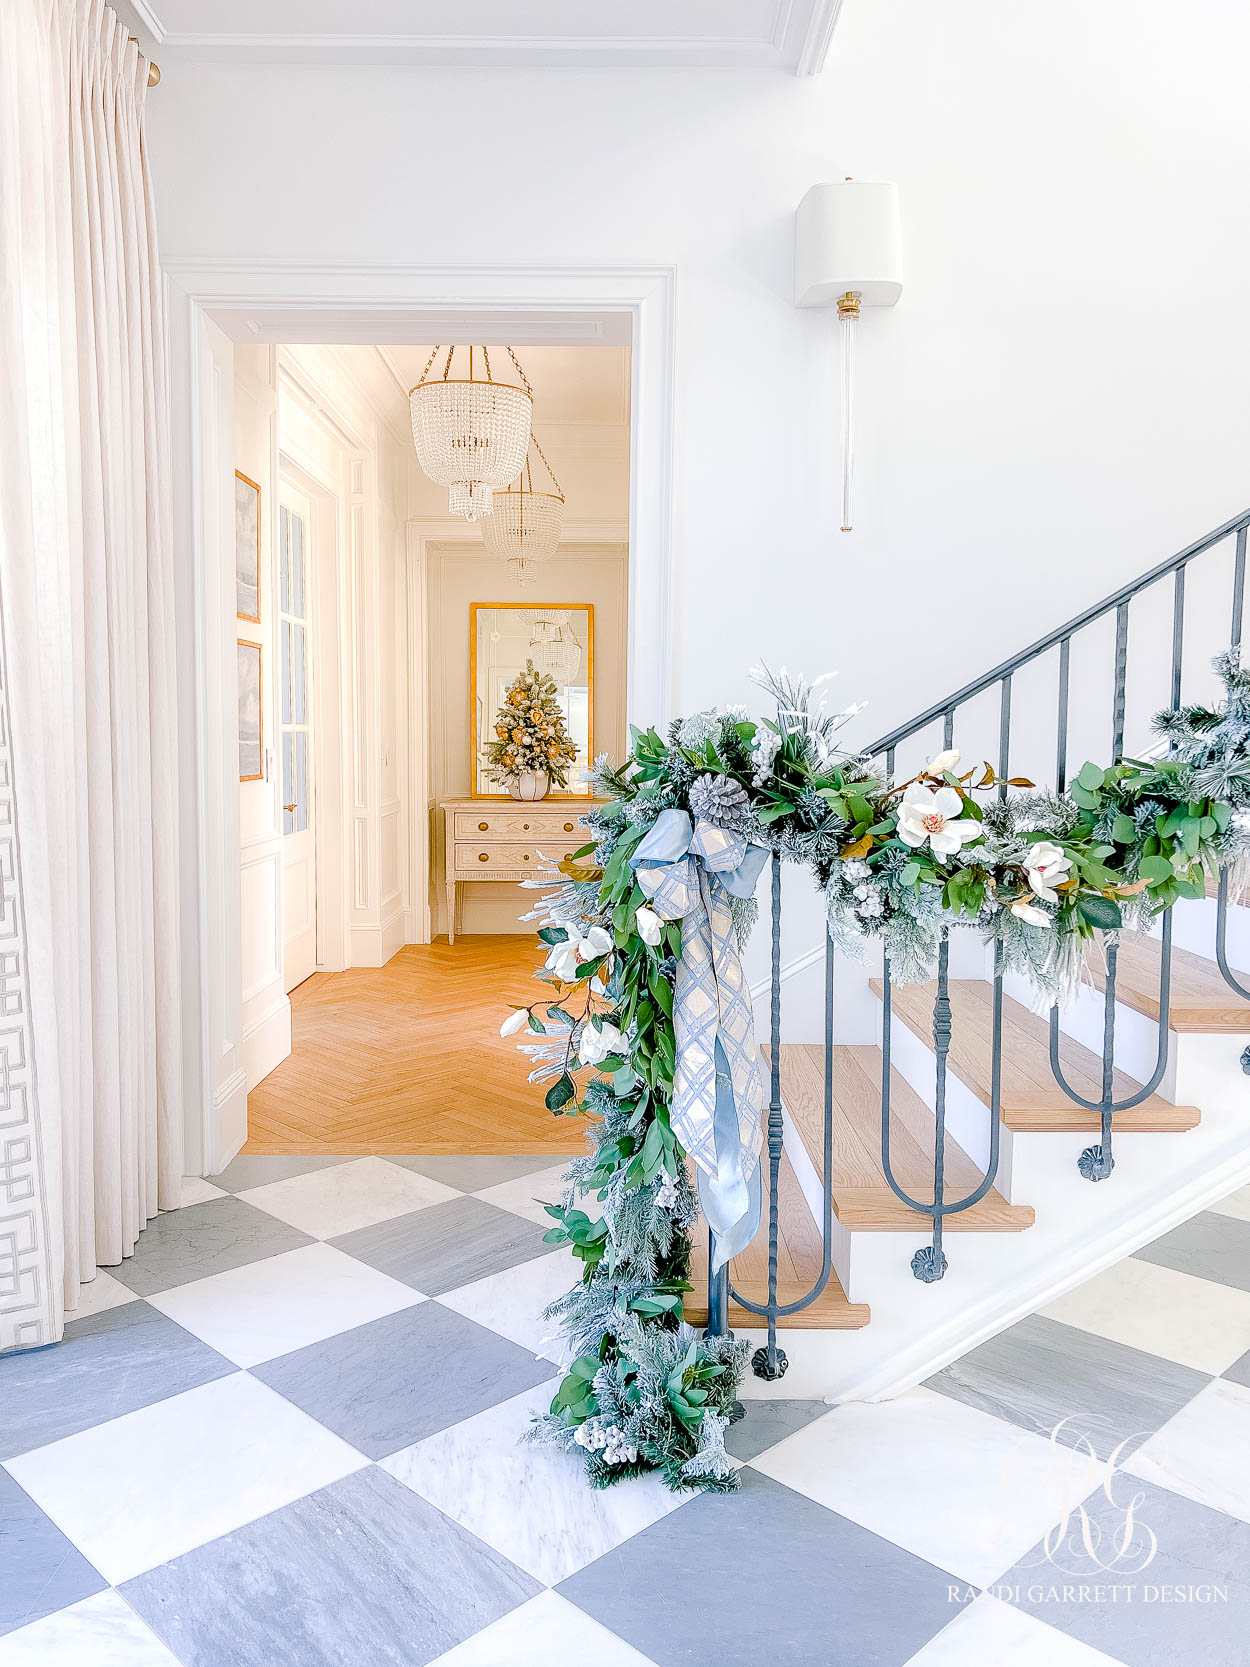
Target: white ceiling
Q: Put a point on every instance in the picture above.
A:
(586, 386)
(790, 35)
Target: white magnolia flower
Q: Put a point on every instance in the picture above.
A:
(650, 926)
(1030, 915)
(944, 761)
(564, 958)
(925, 815)
(515, 1021)
(1046, 867)
(597, 1043)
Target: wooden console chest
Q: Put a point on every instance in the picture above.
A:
(500, 839)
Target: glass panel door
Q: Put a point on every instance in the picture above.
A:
(293, 626)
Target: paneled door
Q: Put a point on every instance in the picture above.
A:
(296, 738)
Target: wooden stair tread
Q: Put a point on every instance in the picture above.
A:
(1201, 1002)
(1032, 1101)
(862, 1198)
(799, 1260)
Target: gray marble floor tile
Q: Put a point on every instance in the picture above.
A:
(768, 1422)
(764, 1575)
(479, 1170)
(385, 1385)
(183, 1245)
(1239, 1371)
(1210, 1245)
(445, 1245)
(109, 1363)
(1040, 1372)
(251, 1169)
(40, 1571)
(362, 1572)
(1188, 1600)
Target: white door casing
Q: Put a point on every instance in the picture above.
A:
(296, 748)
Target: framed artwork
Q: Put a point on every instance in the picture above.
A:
(246, 548)
(560, 640)
(251, 729)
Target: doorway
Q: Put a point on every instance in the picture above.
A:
(251, 307)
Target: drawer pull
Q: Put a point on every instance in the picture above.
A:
(525, 856)
(525, 827)
(483, 856)
(482, 827)
(568, 827)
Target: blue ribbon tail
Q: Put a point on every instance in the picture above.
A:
(731, 1202)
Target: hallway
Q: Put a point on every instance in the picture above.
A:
(408, 1058)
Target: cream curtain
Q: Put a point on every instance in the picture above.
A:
(88, 904)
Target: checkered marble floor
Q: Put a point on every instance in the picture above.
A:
(285, 1432)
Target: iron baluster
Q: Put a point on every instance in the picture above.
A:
(1121, 679)
(1004, 735)
(772, 1310)
(929, 1263)
(1222, 898)
(1061, 742)
(1096, 1162)
(1178, 633)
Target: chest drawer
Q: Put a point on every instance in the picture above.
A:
(516, 824)
(479, 858)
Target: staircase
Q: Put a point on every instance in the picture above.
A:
(1007, 1119)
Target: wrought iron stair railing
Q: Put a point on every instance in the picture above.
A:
(1096, 1161)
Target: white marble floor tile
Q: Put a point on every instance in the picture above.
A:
(512, 1302)
(528, 1193)
(1204, 1451)
(101, 1631)
(1236, 1204)
(547, 1629)
(155, 1483)
(280, 1304)
(195, 1190)
(954, 1485)
(1179, 1317)
(991, 1634)
(531, 1503)
(327, 1202)
(98, 1294)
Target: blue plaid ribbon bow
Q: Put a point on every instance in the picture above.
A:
(689, 874)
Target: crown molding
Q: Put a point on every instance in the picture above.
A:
(796, 39)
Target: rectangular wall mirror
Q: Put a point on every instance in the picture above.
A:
(560, 641)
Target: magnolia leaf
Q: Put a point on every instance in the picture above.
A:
(560, 1093)
(1102, 912)
(860, 848)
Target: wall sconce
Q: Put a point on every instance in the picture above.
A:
(848, 253)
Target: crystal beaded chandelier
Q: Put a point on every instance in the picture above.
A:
(554, 647)
(526, 525)
(470, 436)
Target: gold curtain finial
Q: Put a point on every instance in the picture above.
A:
(154, 70)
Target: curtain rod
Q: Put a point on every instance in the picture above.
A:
(154, 71)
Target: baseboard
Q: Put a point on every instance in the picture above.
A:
(812, 958)
(228, 1123)
(373, 946)
(267, 1041)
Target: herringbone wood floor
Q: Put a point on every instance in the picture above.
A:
(408, 1058)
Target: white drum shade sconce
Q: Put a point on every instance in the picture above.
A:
(848, 253)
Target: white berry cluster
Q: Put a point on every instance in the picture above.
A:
(666, 1197)
(596, 1435)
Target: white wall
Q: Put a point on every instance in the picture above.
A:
(1056, 402)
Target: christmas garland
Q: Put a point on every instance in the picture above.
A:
(1036, 872)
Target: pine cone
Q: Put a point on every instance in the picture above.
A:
(719, 799)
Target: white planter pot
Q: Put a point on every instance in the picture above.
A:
(530, 784)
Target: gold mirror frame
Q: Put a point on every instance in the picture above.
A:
(588, 608)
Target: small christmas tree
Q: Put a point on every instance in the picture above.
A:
(530, 732)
